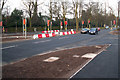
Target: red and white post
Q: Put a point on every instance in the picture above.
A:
(24, 27)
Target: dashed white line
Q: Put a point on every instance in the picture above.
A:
(42, 41)
(63, 37)
(8, 47)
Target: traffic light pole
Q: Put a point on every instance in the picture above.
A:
(25, 29)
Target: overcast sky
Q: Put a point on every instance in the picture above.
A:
(18, 4)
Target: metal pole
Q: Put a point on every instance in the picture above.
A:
(23, 27)
(16, 27)
(116, 22)
(111, 23)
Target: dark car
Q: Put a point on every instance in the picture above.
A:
(93, 31)
(84, 30)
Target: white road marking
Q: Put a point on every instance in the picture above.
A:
(89, 55)
(8, 47)
(51, 59)
(42, 41)
(63, 37)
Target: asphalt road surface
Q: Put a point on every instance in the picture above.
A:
(105, 65)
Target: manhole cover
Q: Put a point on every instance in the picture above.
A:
(89, 55)
(51, 59)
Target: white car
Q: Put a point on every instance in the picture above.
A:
(107, 27)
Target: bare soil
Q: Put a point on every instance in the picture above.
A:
(64, 67)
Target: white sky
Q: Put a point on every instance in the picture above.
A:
(18, 4)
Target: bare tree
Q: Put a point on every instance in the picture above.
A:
(29, 9)
(57, 10)
(35, 18)
(2, 3)
(80, 3)
(65, 10)
(75, 5)
(51, 13)
(111, 10)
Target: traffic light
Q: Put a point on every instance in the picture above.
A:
(0, 23)
(82, 22)
(24, 21)
(114, 22)
(65, 22)
(48, 22)
(61, 23)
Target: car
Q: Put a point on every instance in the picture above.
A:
(107, 27)
(84, 30)
(93, 31)
(98, 29)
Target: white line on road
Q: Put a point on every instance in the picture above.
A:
(63, 37)
(42, 41)
(8, 47)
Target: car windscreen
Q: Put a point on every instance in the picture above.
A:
(93, 29)
(84, 29)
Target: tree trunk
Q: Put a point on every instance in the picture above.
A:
(76, 24)
(76, 16)
(64, 22)
(30, 22)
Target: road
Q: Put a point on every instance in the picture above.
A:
(104, 65)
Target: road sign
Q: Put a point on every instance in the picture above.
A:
(48, 22)
(65, 22)
(61, 23)
(24, 21)
(82, 22)
(1, 23)
(25, 27)
(114, 22)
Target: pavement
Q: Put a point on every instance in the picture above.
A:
(105, 65)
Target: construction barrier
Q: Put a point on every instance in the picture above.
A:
(50, 31)
(36, 36)
(67, 33)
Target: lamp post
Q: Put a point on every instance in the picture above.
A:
(16, 26)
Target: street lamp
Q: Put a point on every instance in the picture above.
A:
(16, 26)
(45, 20)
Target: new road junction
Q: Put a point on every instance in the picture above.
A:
(69, 55)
